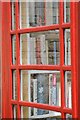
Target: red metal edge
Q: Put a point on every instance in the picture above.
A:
(62, 60)
(77, 24)
(1, 60)
(74, 60)
(5, 61)
(5, 64)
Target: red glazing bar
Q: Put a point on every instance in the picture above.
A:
(62, 60)
(10, 60)
(78, 56)
(11, 91)
(42, 67)
(39, 67)
(17, 57)
(66, 68)
(41, 106)
(66, 25)
(38, 29)
(3, 63)
(35, 29)
(0, 60)
(74, 55)
(13, 32)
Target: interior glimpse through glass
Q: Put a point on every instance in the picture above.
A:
(41, 87)
(14, 85)
(13, 49)
(69, 117)
(34, 114)
(13, 15)
(67, 45)
(66, 11)
(68, 89)
(14, 109)
(40, 48)
(34, 14)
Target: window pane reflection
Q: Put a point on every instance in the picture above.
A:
(67, 46)
(14, 49)
(68, 117)
(33, 114)
(13, 16)
(34, 14)
(41, 87)
(68, 89)
(14, 108)
(66, 11)
(40, 48)
(14, 85)
(24, 85)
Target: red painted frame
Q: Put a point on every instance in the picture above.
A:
(7, 66)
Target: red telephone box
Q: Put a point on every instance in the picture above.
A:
(40, 60)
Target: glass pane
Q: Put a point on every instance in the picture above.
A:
(14, 49)
(67, 45)
(66, 11)
(13, 16)
(39, 114)
(24, 85)
(34, 14)
(68, 89)
(68, 117)
(41, 87)
(24, 48)
(14, 85)
(14, 108)
(40, 48)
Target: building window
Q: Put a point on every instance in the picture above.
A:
(40, 48)
(33, 14)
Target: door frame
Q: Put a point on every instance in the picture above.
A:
(6, 88)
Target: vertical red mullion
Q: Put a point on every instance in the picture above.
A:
(3, 66)
(11, 71)
(10, 62)
(17, 56)
(10, 83)
(5, 78)
(10, 5)
(78, 55)
(1, 60)
(11, 94)
(62, 60)
(74, 74)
